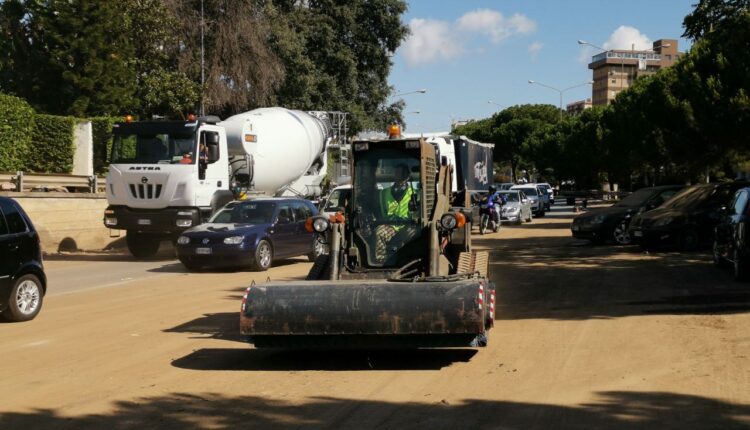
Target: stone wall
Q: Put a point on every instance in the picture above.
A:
(67, 222)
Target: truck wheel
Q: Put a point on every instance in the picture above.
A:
(25, 299)
(262, 257)
(142, 246)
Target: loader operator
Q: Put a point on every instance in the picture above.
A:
(397, 203)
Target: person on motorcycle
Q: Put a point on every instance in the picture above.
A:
(495, 203)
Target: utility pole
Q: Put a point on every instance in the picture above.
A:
(203, 75)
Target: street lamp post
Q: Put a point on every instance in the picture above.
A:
(420, 91)
(560, 91)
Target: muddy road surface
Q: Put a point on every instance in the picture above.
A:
(585, 337)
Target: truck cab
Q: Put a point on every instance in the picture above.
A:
(165, 177)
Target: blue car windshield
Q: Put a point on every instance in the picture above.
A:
(245, 213)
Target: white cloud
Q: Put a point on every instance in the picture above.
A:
(430, 41)
(495, 25)
(625, 37)
(434, 40)
(534, 49)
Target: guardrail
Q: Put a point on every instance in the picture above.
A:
(53, 182)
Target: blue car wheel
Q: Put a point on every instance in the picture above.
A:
(263, 256)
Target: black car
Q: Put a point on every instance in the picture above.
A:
(731, 241)
(22, 280)
(251, 233)
(687, 220)
(601, 225)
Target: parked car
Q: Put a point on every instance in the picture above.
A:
(544, 195)
(22, 279)
(550, 191)
(336, 200)
(251, 233)
(730, 240)
(536, 197)
(601, 225)
(517, 207)
(687, 220)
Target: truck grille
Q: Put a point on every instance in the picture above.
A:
(145, 191)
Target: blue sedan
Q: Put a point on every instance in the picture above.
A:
(250, 233)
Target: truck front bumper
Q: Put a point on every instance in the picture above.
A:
(167, 221)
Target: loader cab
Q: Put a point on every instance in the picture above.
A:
(389, 209)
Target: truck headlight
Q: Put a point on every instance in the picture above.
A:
(233, 240)
(183, 240)
(320, 224)
(184, 222)
(110, 220)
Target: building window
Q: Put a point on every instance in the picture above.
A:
(614, 81)
(669, 57)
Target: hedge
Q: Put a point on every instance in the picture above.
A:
(102, 131)
(16, 126)
(53, 146)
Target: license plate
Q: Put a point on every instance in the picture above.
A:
(638, 233)
(202, 251)
(144, 222)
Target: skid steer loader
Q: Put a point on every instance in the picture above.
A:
(400, 271)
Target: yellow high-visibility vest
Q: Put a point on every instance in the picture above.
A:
(393, 208)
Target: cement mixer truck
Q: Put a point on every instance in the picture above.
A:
(167, 176)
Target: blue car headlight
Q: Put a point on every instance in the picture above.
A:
(664, 221)
(598, 219)
(183, 240)
(233, 240)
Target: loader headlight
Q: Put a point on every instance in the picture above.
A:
(110, 220)
(320, 224)
(448, 221)
(452, 220)
(183, 240)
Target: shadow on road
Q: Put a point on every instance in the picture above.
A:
(178, 267)
(564, 278)
(613, 410)
(288, 360)
(224, 326)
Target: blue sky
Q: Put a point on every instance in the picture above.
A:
(468, 52)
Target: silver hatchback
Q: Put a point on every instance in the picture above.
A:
(517, 207)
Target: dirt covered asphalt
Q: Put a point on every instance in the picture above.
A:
(586, 336)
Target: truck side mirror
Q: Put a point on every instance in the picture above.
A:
(211, 140)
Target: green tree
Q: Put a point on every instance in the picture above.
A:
(74, 56)
(337, 56)
(161, 88)
(712, 14)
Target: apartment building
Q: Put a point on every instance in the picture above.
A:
(615, 70)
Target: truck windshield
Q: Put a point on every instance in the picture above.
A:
(154, 148)
(387, 204)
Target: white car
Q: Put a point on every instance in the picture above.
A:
(532, 192)
(336, 200)
(549, 190)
